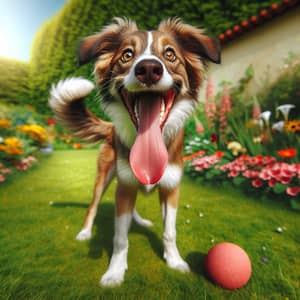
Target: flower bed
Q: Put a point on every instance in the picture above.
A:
(231, 140)
(22, 134)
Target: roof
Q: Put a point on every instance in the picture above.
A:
(254, 21)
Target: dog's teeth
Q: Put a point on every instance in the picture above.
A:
(162, 107)
(136, 111)
(162, 110)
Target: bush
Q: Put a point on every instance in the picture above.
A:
(231, 140)
(286, 89)
(22, 134)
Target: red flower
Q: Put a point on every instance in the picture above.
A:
(219, 154)
(257, 183)
(77, 146)
(287, 153)
(50, 121)
(293, 191)
(213, 138)
(194, 155)
(233, 173)
(272, 182)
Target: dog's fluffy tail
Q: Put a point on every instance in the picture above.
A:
(67, 102)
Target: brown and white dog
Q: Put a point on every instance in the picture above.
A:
(149, 84)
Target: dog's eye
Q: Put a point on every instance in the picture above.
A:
(169, 54)
(127, 56)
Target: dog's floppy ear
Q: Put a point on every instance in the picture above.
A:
(192, 39)
(105, 41)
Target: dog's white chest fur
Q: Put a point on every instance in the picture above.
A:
(170, 179)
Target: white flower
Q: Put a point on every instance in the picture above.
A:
(278, 126)
(188, 221)
(201, 215)
(285, 110)
(256, 139)
(1, 139)
(266, 116)
(187, 206)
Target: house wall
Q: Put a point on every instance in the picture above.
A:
(265, 47)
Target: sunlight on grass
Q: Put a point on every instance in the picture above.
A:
(42, 211)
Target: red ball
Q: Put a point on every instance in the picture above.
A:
(228, 265)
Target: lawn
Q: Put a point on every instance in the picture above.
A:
(42, 211)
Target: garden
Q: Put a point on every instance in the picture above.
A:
(241, 182)
(241, 185)
(253, 143)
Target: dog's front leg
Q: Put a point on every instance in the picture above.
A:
(105, 173)
(169, 203)
(125, 201)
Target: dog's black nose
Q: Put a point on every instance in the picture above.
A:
(149, 71)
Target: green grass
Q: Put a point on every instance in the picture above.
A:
(40, 258)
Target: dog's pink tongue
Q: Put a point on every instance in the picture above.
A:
(149, 156)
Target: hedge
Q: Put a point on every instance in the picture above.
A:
(55, 44)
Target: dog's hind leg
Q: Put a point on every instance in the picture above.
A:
(169, 204)
(105, 173)
(125, 201)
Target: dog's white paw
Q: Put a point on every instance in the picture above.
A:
(177, 263)
(112, 278)
(84, 235)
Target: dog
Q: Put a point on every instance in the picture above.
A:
(149, 82)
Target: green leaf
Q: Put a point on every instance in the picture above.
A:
(250, 71)
(279, 188)
(238, 180)
(295, 204)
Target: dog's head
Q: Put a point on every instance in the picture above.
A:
(150, 83)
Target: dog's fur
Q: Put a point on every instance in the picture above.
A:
(140, 74)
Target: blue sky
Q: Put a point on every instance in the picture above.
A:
(19, 21)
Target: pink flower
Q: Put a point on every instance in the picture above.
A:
(265, 174)
(209, 89)
(256, 110)
(210, 104)
(6, 171)
(233, 173)
(293, 191)
(257, 183)
(251, 174)
(272, 182)
(285, 180)
(267, 160)
(200, 128)
(2, 178)
(32, 158)
(225, 108)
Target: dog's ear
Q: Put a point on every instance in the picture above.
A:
(192, 39)
(106, 41)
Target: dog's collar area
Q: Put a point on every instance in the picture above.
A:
(132, 101)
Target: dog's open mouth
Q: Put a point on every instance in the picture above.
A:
(133, 100)
(149, 112)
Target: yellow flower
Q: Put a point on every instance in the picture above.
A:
(12, 146)
(13, 142)
(4, 123)
(236, 148)
(37, 132)
(251, 123)
(292, 126)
